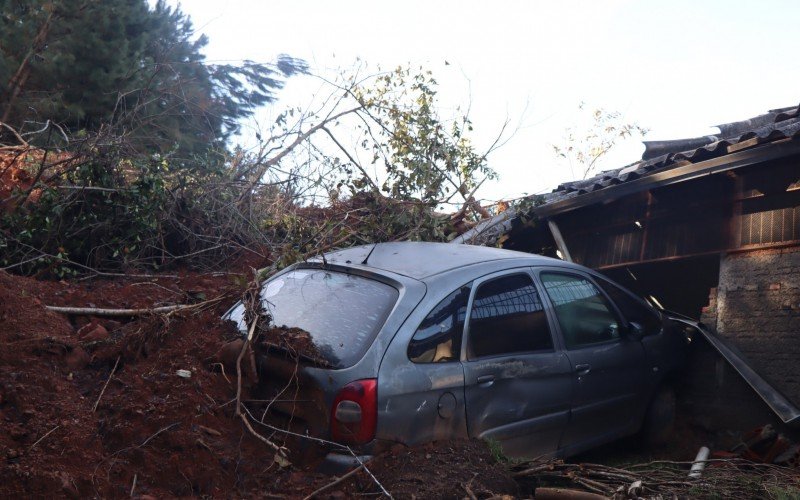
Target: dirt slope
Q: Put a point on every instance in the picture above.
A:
(170, 435)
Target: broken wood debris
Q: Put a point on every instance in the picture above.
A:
(665, 478)
(128, 313)
(96, 311)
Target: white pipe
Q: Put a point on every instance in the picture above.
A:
(699, 462)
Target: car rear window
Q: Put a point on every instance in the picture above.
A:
(341, 312)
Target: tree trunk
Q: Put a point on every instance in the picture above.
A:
(17, 81)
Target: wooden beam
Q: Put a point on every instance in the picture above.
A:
(747, 143)
(560, 243)
(735, 223)
(743, 249)
(646, 227)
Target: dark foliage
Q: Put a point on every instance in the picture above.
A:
(86, 65)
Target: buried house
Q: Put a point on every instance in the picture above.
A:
(708, 227)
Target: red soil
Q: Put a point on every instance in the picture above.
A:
(170, 435)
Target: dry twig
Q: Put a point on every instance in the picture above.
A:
(251, 303)
(326, 442)
(45, 435)
(278, 449)
(334, 482)
(163, 429)
(94, 408)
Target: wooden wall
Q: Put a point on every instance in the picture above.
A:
(756, 207)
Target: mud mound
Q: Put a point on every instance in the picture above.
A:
(94, 407)
(293, 342)
(175, 432)
(446, 469)
(20, 302)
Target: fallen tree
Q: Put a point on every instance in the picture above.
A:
(95, 205)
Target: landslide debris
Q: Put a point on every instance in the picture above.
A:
(157, 432)
(153, 432)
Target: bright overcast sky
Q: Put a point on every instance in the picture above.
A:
(677, 67)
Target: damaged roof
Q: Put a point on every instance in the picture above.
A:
(777, 124)
(659, 156)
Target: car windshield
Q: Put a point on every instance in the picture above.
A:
(342, 313)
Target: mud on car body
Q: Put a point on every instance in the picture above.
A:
(423, 341)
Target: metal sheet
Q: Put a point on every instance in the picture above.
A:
(778, 403)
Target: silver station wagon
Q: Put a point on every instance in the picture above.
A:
(429, 341)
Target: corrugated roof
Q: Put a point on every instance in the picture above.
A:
(661, 156)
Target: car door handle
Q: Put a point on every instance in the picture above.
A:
(486, 380)
(583, 369)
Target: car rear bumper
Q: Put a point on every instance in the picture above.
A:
(338, 462)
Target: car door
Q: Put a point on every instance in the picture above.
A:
(421, 380)
(608, 366)
(517, 384)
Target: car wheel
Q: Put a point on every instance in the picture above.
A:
(659, 421)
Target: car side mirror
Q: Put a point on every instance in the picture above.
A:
(635, 330)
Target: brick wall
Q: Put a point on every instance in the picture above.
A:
(708, 315)
(758, 309)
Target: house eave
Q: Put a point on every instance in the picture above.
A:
(732, 161)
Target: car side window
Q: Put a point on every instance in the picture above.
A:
(507, 317)
(633, 309)
(583, 312)
(438, 338)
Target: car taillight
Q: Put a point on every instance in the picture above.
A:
(355, 412)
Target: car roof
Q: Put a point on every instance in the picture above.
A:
(420, 260)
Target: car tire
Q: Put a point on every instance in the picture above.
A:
(659, 421)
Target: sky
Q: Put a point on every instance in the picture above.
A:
(676, 67)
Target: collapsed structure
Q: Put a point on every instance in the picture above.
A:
(708, 227)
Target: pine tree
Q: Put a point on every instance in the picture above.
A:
(85, 64)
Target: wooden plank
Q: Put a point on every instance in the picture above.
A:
(742, 249)
(735, 223)
(560, 243)
(646, 225)
(747, 143)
